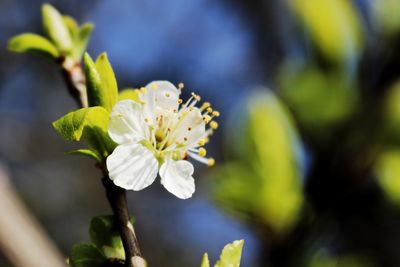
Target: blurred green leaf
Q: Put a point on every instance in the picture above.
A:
(90, 124)
(129, 93)
(55, 28)
(100, 81)
(104, 234)
(87, 152)
(86, 255)
(320, 101)
(322, 259)
(334, 26)
(252, 184)
(205, 262)
(30, 42)
(388, 172)
(386, 14)
(81, 40)
(231, 254)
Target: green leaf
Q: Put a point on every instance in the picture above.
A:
(231, 254)
(334, 26)
(82, 40)
(205, 261)
(90, 124)
(129, 93)
(251, 183)
(86, 255)
(71, 24)
(55, 28)
(87, 152)
(29, 42)
(104, 234)
(101, 84)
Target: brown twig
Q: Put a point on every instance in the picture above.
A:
(75, 80)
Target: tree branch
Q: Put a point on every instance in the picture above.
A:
(75, 80)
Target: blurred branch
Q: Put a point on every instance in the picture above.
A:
(22, 240)
(75, 80)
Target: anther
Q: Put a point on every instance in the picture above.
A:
(201, 142)
(209, 109)
(215, 113)
(211, 162)
(181, 85)
(180, 101)
(185, 139)
(214, 125)
(189, 128)
(155, 86)
(207, 118)
(167, 95)
(202, 152)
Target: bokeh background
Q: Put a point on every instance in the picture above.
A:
(308, 156)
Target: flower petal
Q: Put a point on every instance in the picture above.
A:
(191, 129)
(159, 97)
(132, 166)
(127, 122)
(176, 177)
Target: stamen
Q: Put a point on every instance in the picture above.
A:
(207, 118)
(202, 152)
(180, 101)
(180, 86)
(214, 125)
(209, 110)
(215, 113)
(201, 142)
(167, 94)
(211, 162)
(204, 106)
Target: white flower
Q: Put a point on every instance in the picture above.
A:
(156, 135)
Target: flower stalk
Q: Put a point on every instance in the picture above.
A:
(75, 80)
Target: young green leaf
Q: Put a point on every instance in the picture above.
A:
(71, 25)
(104, 234)
(87, 152)
(81, 40)
(90, 124)
(86, 255)
(30, 42)
(100, 82)
(231, 254)
(108, 81)
(55, 28)
(129, 93)
(205, 261)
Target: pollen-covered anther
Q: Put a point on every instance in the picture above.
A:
(209, 110)
(202, 152)
(215, 113)
(181, 85)
(146, 119)
(204, 106)
(201, 142)
(207, 118)
(214, 125)
(197, 97)
(211, 162)
(189, 129)
(185, 139)
(180, 101)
